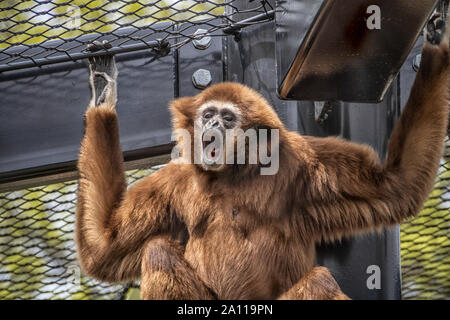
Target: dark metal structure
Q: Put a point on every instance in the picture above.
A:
(44, 93)
(344, 50)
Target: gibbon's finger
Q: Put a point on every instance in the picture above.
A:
(435, 29)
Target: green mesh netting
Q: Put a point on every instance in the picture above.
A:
(425, 242)
(37, 248)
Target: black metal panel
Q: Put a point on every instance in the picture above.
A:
(407, 72)
(252, 62)
(327, 50)
(42, 116)
(190, 59)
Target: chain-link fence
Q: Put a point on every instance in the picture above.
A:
(37, 245)
(36, 33)
(425, 242)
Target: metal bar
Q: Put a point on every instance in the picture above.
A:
(241, 24)
(78, 56)
(39, 180)
(64, 66)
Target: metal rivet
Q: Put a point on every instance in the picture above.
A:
(201, 78)
(202, 40)
(416, 62)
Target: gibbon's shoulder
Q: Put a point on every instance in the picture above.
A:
(336, 147)
(174, 171)
(163, 182)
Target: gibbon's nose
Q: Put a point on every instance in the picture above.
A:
(214, 123)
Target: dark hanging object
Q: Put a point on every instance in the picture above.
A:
(344, 50)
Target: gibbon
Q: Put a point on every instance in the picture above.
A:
(226, 231)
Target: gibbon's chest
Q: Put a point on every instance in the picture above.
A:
(238, 254)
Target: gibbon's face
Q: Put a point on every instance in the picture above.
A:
(215, 125)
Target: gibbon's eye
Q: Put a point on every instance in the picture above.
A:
(208, 115)
(228, 117)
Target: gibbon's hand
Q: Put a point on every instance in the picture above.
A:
(435, 30)
(103, 81)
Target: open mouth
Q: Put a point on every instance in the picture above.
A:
(211, 146)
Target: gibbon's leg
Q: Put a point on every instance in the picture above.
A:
(166, 275)
(317, 284)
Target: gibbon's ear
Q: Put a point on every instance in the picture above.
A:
(183, 112)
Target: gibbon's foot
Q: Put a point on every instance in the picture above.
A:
(103, 76)
(167, 275)
(317, 284)
(435, 30)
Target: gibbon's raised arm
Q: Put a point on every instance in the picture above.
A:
(112, 224)
(359, 193)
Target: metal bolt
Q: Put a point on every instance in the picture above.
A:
(416, 62)
(202, 40)
(201, 78)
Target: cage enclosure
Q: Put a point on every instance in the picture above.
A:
(160, 46)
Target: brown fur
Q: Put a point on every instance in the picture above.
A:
(251, 236)
(168, 275)
(317, 284)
